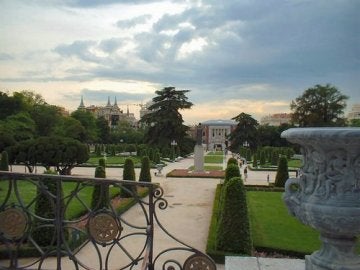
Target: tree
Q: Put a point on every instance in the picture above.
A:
(103, 130)
(4, 161)
(128, 174)
(319, 106)
(145, 175)
(10, 105)
(164, 122)
(232, 170)
(233, 233)
(245, 131)
(282, 173)
(20, 126)
(46, 118)
(87, 119)
(71, 128)
(100, 195)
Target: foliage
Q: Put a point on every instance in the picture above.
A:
(6, 139)
(232, 170)
(46, 118)
(164, 123)
(102, 163)
(71, 128)
(21, 126)
(354, 123)
(10, 105)
(63, 153)
(232, 161)
(255, 160)
(319, 106)
(4, 161)
(44, 231)
(103, 130)
(128, 174)
(245, 131)
(282, 173)
(100, 195)
(145, 175)
(88, 121)
(262, 158)
(233, 233)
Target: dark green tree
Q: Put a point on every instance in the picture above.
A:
(46, 118)
(100, 195)
(128, 174)
(233, 234)
(232, 170)
(145, 175)
(4, 161)
(232, 161)
(164, 123)
(71, 128)
(87, 119)
(102, 163)
(282, 173)
(255, 160)
(103, 130)
(47, 192)
(10, 105)
(245, 131)
(321, 105)
(262, 158)
(21, 126)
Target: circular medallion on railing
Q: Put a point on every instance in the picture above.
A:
(104, 228)
(199, 262)
(13, 223)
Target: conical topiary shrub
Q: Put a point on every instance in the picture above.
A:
(232, 161)
(102, 163)
(43, 232)
(282, 173)
(100, 195)
(233, 232)
(4, 161)
(232, 170)
(128, 174)
(145, 175)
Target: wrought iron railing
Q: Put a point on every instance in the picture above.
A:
(70, 232)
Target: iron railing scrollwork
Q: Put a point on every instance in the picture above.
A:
(73, 235)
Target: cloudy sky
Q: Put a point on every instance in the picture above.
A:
(252, 56)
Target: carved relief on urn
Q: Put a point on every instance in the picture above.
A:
(326, 196)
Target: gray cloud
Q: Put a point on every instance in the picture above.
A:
(134, 21)
(6, 57)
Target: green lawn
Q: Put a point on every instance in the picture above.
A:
(273, 227)
(75, 208)
(295, 163)
(213, 159)
(216, 153)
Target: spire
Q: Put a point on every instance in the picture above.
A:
(81, 106)
(115, 104)
(108, 103)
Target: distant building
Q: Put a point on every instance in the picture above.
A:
(276, 119)
(354, 113)
(111, 113)
(216, 132)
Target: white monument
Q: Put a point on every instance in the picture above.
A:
(199, 151)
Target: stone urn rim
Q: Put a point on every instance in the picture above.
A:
(322, 133)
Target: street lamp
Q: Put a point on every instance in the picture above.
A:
(173, 143)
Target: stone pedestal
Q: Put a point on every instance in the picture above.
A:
(199, 158)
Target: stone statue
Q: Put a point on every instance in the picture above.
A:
(199, 134)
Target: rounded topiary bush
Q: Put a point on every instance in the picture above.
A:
(145, 175)
(232, 170)
(100, 195)
(282, 173)
(102, 163)
(128, 174)
(233, 232)
(232, 161)
(4, 161)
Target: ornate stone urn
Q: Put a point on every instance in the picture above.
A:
(326, 196)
